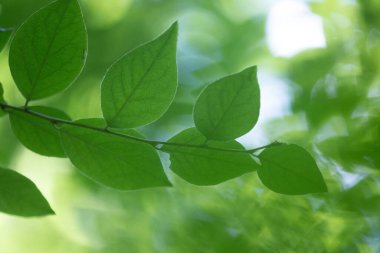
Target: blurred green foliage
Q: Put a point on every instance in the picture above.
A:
(334, 93)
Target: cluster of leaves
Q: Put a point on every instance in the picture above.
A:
(46, 55)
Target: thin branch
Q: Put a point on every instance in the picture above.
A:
(107, 130)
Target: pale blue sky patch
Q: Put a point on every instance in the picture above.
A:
(293, 28)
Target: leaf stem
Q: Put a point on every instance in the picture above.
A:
(107, 130)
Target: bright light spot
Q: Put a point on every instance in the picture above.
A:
(103, 14)
(349, 179)
(275, 103)
(292, 28)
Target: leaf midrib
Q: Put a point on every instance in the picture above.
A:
(289, 170)
(33, 84)
(109, 123)
(91, 146)
(228, 108)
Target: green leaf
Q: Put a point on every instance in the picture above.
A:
(20, 196)
(203, 166)
(47, 52)
(139, 87)
(37, 134)
(5, 34)
(111, 160)
(1, 93)
(290, 169)
(229, 107)
(2, 112)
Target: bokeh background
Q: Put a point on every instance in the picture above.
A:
(319, 65)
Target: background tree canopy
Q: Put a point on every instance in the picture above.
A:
(319, 79)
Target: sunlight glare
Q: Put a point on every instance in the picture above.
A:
(292, 28)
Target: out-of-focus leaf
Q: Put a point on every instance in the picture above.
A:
(362, 197)
(310, 66)
(2, 112)
(5, 34)
(350, 151)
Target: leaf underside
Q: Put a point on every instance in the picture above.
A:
(139, 87)
(47, 54)
(202, 166)
(229, 107)
(37, 134)
(289, 169)
(111, 160)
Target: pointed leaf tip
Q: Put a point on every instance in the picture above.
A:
(290, 169)
(20, 196)
(229, 107)
(139, 88)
